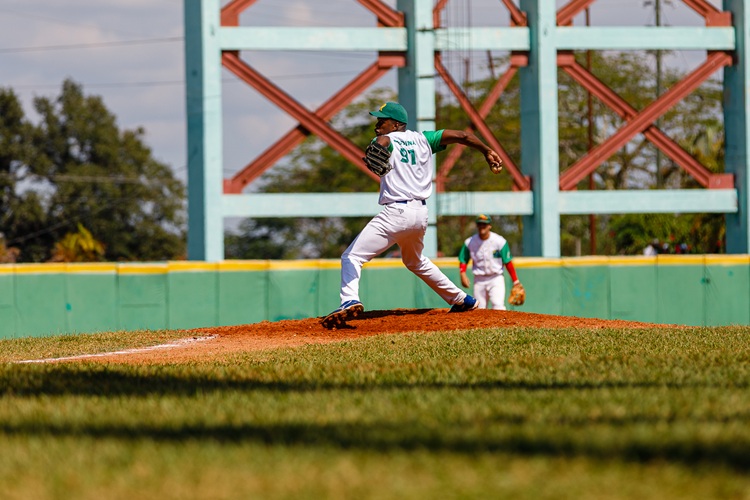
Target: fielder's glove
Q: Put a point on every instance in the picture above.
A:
(517, 294)
(377, 159)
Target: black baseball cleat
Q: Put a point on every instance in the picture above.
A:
(469, 303)
(346, 311)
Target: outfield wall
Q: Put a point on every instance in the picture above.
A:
(49, 299)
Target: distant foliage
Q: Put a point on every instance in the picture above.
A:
(76, 166)
(80, 246)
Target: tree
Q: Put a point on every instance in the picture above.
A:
(78, 247)
(83, 169)
(21, 211)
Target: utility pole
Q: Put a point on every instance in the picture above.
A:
(592, 184)
(659, 180)
(658, 53)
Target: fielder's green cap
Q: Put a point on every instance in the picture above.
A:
(391, 110)
(483, 219)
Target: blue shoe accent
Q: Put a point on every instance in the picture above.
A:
(346, 311)
(469, 304)
(349, 304)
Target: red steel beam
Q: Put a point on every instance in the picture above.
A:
(643, 120)
(294, 137)
(517, 16)
(386, 16)
(673, 150)
(522, 183)
(439, 6)
(567, 12)
(712, 15)
(291, 106)
(484, 110)
(230, 13)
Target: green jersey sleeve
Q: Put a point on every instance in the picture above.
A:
(505, 254)
(464, 256)
(434, 138)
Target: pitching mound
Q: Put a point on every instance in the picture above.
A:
(290, 333)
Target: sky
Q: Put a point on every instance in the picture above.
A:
(131, 53)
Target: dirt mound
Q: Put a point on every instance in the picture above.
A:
(289, 333)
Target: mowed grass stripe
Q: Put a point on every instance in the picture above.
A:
(524, 412)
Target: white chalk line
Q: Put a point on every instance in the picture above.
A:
(137, 350)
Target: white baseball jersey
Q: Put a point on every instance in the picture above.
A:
(412, 162)
(487, 256)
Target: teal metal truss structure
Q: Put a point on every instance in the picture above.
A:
(541, 39)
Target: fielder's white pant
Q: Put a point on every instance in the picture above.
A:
(404, 224)
(490, 289)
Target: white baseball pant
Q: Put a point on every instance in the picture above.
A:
(490, 289)
(404, 224)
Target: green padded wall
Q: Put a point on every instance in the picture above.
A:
(290, 292)
(632, 289)
(48, 299)
(243, 292)
(542, 279)
(7, 301)
(727, 288)
(680, 289)
(40, 299)
(91, 298)
(193, 295)
(585, 284)
(142, 293)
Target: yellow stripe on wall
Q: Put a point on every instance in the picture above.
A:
(45, 268)
(380, 263)
(191, 266)
(530, 262)
(132, 268)
(680, 260)
(243, 265)
(635, 260)
(91, 268)
(728, 260)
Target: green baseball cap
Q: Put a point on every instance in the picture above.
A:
(392, 110)
(483, 219)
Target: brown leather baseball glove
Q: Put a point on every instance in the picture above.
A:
(517, 294)
(377, 159)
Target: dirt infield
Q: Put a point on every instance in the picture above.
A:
(290, 333)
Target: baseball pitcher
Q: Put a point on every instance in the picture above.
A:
(404, 161)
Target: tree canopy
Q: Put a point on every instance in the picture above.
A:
(77, 169)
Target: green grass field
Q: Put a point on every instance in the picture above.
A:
(515, 413)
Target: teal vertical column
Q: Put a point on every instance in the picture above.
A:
(416, 87)
(539, 135)
(737, 127)
(204, 134)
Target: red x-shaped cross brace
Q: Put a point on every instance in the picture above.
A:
(673, 150)
(477, 117)
(641, 122)
(309, 122)
(521, 183)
